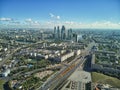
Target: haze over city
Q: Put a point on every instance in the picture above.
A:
(49, 13)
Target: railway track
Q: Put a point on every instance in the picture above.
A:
(62, 76)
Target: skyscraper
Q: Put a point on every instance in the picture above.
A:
(70, 34)
(42, 35)
(58, 32)
(54, 35)
(63, 33)
(75, 37)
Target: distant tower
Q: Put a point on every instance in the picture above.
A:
(70, 34)
(75, 37)
(42, 35)
(58, 32)
(54, 32)
(63, 33)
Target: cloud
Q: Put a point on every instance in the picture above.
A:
(57, 17)
(54, 16)
(69, 22)
(28, 20)
(51, 15)
(15, 22)
(104, 24)
(73, 24)
(32, 22)
(6, 19)
(97, 24)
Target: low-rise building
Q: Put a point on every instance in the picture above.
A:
(78, 52)
(42, 56)
(0, 59)
(6, 72)
(64, 57)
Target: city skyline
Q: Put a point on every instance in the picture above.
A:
(103, 14)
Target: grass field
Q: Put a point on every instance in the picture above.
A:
(104, 79)
(1, 84)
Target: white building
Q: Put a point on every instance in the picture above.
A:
(66, 56)
(6, 72)
(0, 59)
(62, 51)
(78, 52)
(5, 49)
(43, 56)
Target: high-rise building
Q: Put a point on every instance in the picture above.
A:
(42, 35)
(58, 32)
(70, 34)
(63, 33)
(54, 35)
(75, 37)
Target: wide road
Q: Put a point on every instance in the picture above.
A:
(8, 56)
(62, 75)
(29, 72)
(14, 51)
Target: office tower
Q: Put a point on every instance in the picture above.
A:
(54, 35)
(70, 34)
(58, 32)
(42, 35)
(75, 37)
(63, 33)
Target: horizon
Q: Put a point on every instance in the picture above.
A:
(79, 14)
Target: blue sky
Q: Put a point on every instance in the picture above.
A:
(72, 13)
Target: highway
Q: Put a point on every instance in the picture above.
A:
(62, 75)
(8, 56)
(29, 72)
(14, 51)
(54, 82)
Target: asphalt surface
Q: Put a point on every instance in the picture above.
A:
(8, 56)
(62, 75)
(59, 78)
